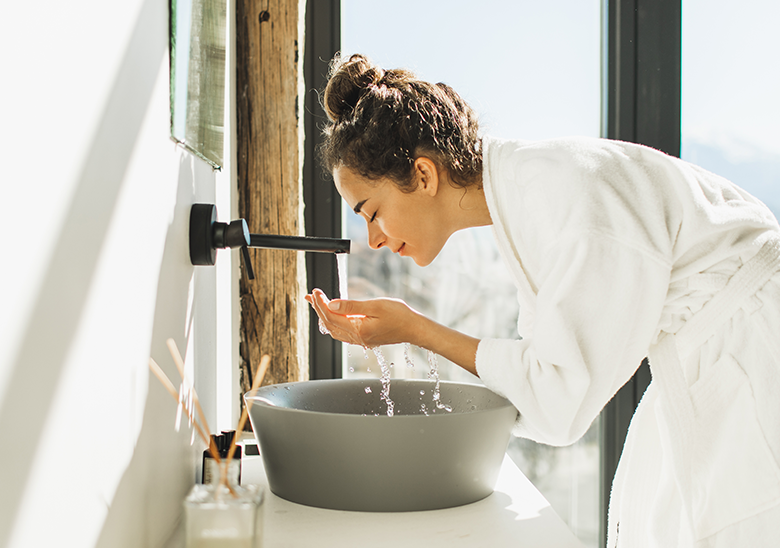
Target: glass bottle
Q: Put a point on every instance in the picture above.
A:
(224, 515)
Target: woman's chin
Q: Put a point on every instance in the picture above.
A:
(422, 261)
(420, 257)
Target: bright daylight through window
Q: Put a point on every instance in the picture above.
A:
(531, 70)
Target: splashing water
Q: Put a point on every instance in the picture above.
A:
(407, 358)
(323, 329)
(434, 375)
(385, 379)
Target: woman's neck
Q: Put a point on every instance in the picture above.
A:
(467, 206)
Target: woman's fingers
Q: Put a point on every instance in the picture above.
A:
(339, 326)
(367, 323)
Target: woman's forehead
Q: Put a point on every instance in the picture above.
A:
(351, 181)
(351, 186)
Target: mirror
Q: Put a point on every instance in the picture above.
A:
(197, 64)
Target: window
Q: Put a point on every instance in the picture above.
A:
(730, 90)
(531, 70)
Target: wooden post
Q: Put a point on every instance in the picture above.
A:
(269, 94)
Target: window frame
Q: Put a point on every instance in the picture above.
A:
(322, 211)
(641, 103)
(641, 98)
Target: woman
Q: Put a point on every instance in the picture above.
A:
(619, 252)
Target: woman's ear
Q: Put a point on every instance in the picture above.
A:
(427, 174)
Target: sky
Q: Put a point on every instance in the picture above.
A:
(731, 76)
(531, 70)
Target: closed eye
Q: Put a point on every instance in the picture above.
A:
(371, 220)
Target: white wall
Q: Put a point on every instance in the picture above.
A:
(95, 276)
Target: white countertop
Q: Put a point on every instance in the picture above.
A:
(516, 514)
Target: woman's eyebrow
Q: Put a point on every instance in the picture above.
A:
(357, 207)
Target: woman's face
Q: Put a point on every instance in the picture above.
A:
(409, 224)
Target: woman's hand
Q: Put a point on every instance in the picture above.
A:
(389, 321)
(366, 323)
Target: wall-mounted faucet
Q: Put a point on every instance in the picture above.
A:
(207, 235)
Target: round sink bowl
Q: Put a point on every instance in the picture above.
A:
(330, 443)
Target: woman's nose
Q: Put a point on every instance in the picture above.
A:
(376, 238)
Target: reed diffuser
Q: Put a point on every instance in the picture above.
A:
(221, 513)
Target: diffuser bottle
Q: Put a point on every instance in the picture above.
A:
(222, 513)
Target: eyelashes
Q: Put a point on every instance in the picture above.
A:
(371, 220)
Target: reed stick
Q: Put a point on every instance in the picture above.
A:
(166, 382)
(174, 350)
(265, 361)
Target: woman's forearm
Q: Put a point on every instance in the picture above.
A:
(457, 347)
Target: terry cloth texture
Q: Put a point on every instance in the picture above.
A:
(615, 246)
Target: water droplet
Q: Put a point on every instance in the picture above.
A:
(351, 369)
(422, 392)
(368, 389)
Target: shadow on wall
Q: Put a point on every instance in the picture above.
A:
(36, 370)
(149, 497)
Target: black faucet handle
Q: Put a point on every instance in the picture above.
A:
(250, 273)
(235, 234)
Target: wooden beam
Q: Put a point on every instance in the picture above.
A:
(269, 95)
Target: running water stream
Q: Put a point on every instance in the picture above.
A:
(341, 263)
(434, 375)
(385, 379)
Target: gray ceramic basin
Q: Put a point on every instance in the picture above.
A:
(330, 443)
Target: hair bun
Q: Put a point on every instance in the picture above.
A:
(347, 82)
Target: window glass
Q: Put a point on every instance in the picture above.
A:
(730, 92)
(531, 70)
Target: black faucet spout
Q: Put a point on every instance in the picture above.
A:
(299, 243)
(207, 235)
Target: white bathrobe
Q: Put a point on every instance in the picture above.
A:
(614, 248)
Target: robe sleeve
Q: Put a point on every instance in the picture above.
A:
(596, 314)
(595, 243)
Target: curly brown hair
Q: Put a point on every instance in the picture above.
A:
(381, 121)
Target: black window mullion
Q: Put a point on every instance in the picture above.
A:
(642, 100)
(322, 212)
